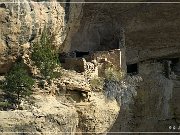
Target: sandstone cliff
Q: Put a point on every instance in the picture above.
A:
(151, 38)
(21, 24)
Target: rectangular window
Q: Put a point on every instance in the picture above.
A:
(132, 68)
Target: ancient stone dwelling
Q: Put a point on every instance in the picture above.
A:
(94, 62)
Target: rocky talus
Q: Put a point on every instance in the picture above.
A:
(47, 116)
(65, 106)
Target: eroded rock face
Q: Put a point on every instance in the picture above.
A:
(99, 115)
(50, 115)
(65, 105)
(151, 32)
(47, 116)
(150, 29)
(22, 23)
(154, 99)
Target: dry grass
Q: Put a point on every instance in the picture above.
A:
(97, 83)
(112, 74)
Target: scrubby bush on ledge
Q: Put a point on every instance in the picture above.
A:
(17, 84)
(97, 83)
(45, 56)
(4, 105)
(112, 74)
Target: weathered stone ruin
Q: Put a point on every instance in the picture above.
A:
(94, 62)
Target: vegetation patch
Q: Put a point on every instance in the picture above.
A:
(45, 56)
(17, 84)
(97, 83)
(4, 105)
(112, 74)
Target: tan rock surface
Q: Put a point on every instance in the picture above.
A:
(47, 116)
(22, 23)
(151, 30)
(98, 116)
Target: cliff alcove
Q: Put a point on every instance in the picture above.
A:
(142, 39)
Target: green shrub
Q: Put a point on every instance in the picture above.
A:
(4, 105)
(18, 83)
(112, 74)
(97, 83)
(45, 56)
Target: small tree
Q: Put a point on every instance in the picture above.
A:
(17, 82)
(44, 56)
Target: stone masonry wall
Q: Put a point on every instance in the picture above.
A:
(116, 57)
(77, 64)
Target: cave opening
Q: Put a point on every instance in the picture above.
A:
(2, 5)
(171, 66)
(174, 62)
(62, 57)
(81, 54)
(132, 68)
